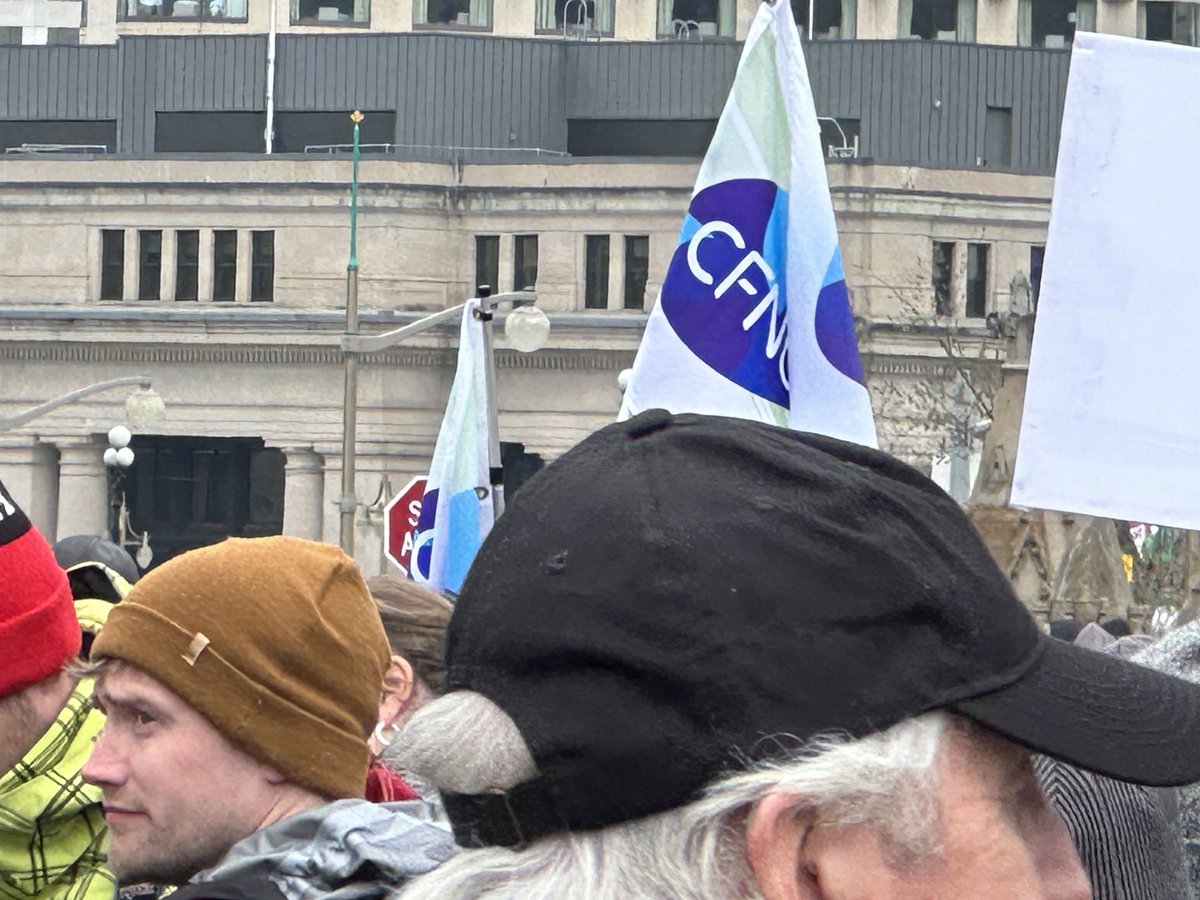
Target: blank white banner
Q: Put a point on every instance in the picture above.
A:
(1111, 425)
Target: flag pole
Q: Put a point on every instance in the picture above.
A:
(486, 315)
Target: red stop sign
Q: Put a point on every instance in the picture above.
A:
(400, 524)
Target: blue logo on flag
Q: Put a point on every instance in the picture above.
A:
(725, 293)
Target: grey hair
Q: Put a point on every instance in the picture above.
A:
(466, 744)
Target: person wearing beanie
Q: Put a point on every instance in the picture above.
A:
(704, 657)
(39, 633)
(241, 683)
(52, 830)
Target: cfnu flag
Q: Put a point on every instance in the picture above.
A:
(457, 511)
(753, 319)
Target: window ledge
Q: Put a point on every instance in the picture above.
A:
(301, 23)
(185, 20)
(451, 26)
(575, 35)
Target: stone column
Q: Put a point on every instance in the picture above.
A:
(82, 487)
(204, 277)
(166, 285)
(245, 258)
(616, 271)
(29, 469)
(303, 493)
(132, 273)
(368, 531)
(368, 541)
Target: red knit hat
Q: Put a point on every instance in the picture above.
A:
(38, 628)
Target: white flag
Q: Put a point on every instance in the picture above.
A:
(753, 319)
(457, 511)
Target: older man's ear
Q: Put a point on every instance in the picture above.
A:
(793, 856)
(776, 848)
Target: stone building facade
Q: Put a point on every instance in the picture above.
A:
(510, 154)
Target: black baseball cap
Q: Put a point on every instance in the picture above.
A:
(681, 595)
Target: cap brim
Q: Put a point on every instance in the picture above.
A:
(1100, 713)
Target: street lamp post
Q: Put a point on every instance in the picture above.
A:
(350, 362)
(526, 327)
(118, 458)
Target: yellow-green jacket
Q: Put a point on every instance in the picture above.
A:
(52, 829)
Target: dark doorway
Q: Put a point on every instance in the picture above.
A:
(190, 492)
(519, 467)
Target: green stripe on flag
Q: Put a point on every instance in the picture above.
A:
(758, 96)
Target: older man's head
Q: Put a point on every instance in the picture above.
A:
(706, 657)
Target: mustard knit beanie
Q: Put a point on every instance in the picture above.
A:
(276, 641)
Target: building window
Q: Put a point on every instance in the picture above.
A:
(112, 264)
(487, 261)
(453, 13)
(331, 131)
(835, 18)
(839, 136)
(224, 265)
(99, 136)
(1053, 23)
(220, 10)
(1174, 22)
(210, 132)
(525, 261)
(331, 12)
(639, 137)
(943, 278)
(1037, 256)
(149, 265)
(577, 18)
(997, 137)
(938, 20)
(187, 265)
(637, 267)
(595, 278)
(977, 280)
(690, 20)
(262, 266)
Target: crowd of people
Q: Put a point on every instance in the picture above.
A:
(696, 658)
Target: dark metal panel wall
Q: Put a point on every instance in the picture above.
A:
(211, 73)
(649, 81)
(186, 73)
(447, 90)
(918, 103)
(925, 103)
(58, 82)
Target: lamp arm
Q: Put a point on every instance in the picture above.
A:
(142, 381)
(374, 343)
